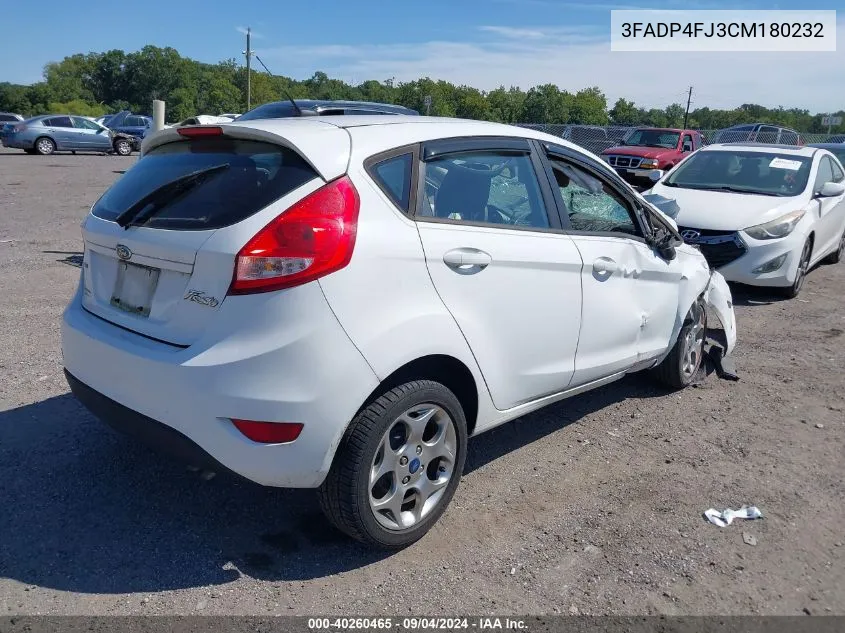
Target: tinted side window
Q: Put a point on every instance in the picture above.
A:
(59, 121)
(486, 188)
(788, 137)
(687, 144)
(593, 205)
(8, 117)
(825, 173)
(393, 176)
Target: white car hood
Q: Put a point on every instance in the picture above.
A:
(723, 210)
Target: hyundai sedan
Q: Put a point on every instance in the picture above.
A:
(340, 303)
(763, 215)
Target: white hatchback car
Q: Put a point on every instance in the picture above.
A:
(340, 303)
(763, 215)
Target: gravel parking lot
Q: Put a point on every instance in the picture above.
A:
(590, 506)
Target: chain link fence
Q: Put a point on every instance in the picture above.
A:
(599, 138)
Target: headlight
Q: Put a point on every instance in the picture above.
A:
(649, 163)
(781, 227)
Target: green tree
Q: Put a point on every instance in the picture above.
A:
(675, 115)
(589, 107)
(624, 112)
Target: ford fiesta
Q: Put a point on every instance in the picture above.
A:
(340, 303)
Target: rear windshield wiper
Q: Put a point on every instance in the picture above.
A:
(164, 195)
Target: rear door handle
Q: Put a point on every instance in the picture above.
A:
(467, 260)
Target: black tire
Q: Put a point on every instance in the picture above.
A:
(790, 292)
(675, 371)
(45, 146)
(345, 494)
(836, 256)
(122, 147)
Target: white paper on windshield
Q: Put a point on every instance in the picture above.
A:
(783, 163)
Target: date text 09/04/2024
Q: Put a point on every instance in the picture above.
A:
(723, 29)
(417, 624)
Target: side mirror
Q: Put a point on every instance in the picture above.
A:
(655, 174)
(831, 190)
(665, 243)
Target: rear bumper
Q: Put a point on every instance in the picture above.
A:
(262, 360)
(152, 433)
(17, 143)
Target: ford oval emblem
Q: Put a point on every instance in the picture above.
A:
(123, 252)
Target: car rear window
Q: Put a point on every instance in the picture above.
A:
(254, 174)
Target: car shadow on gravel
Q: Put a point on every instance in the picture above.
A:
(87, 510)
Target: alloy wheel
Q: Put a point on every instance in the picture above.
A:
(803, 267)
(694, 341)
(45, 146)
(412, 467)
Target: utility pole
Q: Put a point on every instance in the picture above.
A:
(686, 114)
(248, 52)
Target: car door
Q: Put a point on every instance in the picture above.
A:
(87, 135)
(630, 293)
(60, 129)
(829, 211)
(499, 261)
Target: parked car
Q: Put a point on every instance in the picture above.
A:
(63, 132)
(230, 115)
(311, 107)
(7, 122)
(648, 148)
(136, 125)
(340, 303)
(762, 215)
(837, 149)
(591, 137)
(758, 133)
(9, 117)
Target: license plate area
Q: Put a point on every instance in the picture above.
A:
(134, 288)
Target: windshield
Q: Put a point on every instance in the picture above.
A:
(766, 173)
(653, 138)
(203, 184)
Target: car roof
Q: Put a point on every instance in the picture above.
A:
(805, 150)
(385, 131)
(828, 145)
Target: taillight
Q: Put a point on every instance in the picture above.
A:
(311, 239)
(199, 132)
(269, 432)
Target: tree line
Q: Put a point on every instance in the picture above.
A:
(93, 84)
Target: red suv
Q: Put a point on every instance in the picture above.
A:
(649, 148)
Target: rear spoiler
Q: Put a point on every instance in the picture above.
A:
(324, 146)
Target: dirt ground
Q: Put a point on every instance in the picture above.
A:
(591, 506)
